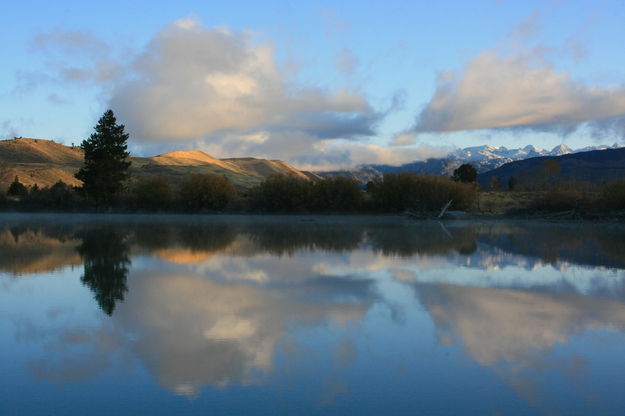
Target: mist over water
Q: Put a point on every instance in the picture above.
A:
(309, 315)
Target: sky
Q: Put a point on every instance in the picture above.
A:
(319, 84)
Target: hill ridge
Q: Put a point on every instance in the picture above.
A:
(45, 162)
(592, 166)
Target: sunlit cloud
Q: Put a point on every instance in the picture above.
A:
(497, 91)
(212, 88)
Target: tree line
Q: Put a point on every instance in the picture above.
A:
(105, 177)
(276, 194)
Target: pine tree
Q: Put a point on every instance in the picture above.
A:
(106, 165)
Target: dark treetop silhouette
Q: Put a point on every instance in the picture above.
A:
(105, 255)
(106, 165)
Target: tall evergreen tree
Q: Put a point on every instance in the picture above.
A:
(106, 160)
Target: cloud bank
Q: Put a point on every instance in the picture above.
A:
(223, 92)
(193, 82)
(517, 91)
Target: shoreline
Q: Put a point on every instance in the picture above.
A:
(453, 217)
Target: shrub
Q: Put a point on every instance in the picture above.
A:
(60, 195)
(153, 193)
(206, 192)
(557, 200)
(465, 173)
(612, 195)
(281, 193)
(435, 191)
(336, 194)
(17, 189)
(397, 192)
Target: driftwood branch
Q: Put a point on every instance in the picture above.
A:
(445, 207)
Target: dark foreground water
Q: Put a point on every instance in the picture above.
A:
(246, 316)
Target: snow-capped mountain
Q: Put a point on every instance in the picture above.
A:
(481, 153)
(483, 158)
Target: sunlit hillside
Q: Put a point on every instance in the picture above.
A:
(44, 162)
(38, 161)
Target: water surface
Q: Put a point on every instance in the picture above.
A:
(309, 315)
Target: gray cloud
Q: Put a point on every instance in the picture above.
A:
(70, 42)
(72, 56)
(519, 91)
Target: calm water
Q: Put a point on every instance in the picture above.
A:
(192, 315)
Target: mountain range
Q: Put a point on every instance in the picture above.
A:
(483, 158)
(44, 162)
(592, 166)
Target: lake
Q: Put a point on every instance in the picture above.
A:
(223, 315)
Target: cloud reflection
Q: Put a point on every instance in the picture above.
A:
(514, 331)
(192, 331)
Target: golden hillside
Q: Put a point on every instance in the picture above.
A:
(38, 161)
(44, 162)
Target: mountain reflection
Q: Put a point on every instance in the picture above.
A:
(28, 248)
(210, 302)
(105, 257)
(32, 250)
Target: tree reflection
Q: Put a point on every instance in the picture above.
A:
(105, 256)
(584, 244)
(289, 237)
(207, 237)
(428, 239)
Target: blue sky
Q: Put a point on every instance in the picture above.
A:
(318, 84)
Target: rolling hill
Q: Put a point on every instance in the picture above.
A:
(594, 166)
(44, 162)
(38, 161)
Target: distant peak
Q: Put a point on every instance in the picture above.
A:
(531, 148)
(561, 149)
(561, 146)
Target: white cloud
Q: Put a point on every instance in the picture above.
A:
(193, 82)
(514, 331)
(351, 154)
(516, 91)
(211, 88)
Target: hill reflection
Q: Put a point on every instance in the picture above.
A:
(223, 302)
(27, 247)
